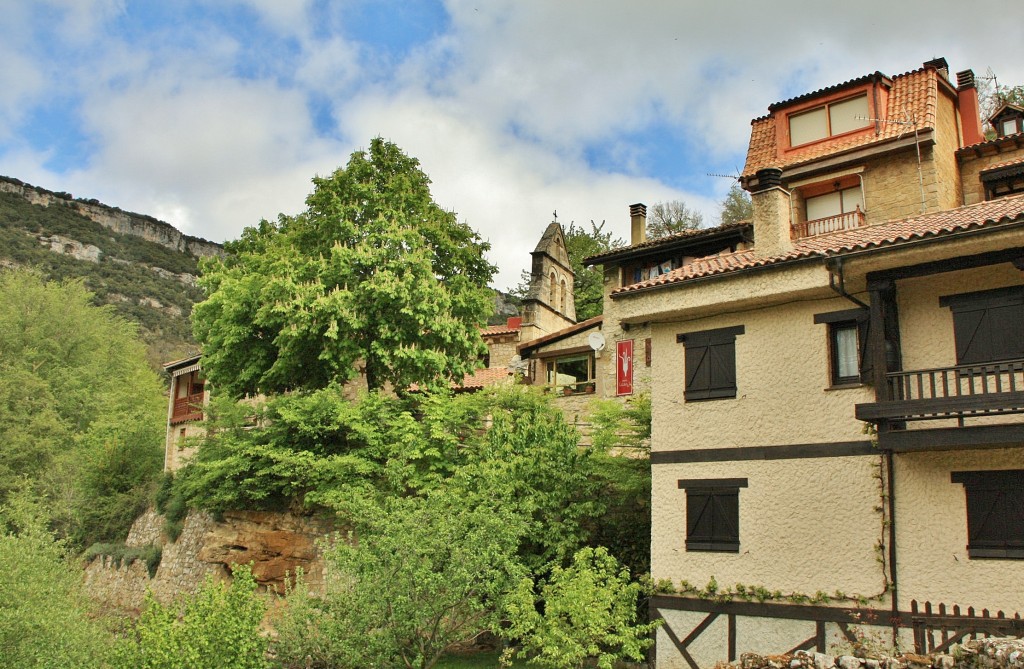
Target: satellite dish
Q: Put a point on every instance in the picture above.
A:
(596, 341)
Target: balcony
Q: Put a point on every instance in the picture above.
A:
(187, 408)
(962, 394)
(819, 226)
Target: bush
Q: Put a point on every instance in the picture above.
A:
(122, 554)
(589, 613)
(218, 626)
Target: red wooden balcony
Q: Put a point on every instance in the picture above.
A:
(187, 408)
(819, 226)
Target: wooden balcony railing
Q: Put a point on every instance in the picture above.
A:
(186, 408)
(960, 392)
(819, 226)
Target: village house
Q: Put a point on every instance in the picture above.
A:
(837, 393)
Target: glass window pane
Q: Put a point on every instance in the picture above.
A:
(807, 127)
(846, 350)
(843, 115)
(1009, 126)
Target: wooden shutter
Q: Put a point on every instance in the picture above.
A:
(995, 512)
(987, 326)
(710, 361)
(712, 514)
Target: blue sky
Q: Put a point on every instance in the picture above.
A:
(212, 115)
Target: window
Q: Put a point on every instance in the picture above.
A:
(1010, 126)
(987, 325)
(838, 202)
(710, 363)
(1003, 181)
(834, 118)
(847, 334)
(713, 514)
(995, 512)
(571, 374)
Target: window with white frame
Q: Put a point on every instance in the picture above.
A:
(834, 118)
(833, 204)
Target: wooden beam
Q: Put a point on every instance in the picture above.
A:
(952, 438)
(948, 265)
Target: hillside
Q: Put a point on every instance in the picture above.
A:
(145, 268)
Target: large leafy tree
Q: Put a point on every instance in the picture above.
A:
(81, 413)
(736, 206)
(669, 218)
(373, 274)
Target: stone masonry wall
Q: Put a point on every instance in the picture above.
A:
(987, 653)
(275, 543)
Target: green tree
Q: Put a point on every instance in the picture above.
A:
(736, 206)
(589, 613)
(581, 243)
(424, 575)
(81, 413)
(45, 618)
(669, 218)
(218, 626)
(373, 273)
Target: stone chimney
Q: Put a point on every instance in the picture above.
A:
(637, 224)
(970, 109)
(771, 214)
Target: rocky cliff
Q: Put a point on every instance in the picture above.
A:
(113, 218)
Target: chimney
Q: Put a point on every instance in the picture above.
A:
(771, 214)
(940, 65)
(637, 224)
(970, 110)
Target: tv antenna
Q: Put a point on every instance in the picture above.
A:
(908, 121)
(735, 177)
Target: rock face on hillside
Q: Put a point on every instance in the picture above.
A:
(125, 222)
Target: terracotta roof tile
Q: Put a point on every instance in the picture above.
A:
(483, 378)
(999, 166)
(916, 92)
(891, 233)
(497, 330)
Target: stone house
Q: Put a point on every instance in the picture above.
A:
(837, 397)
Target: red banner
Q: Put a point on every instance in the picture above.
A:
(624, 367)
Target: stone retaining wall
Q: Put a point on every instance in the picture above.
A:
(277, 544)
(989, 653)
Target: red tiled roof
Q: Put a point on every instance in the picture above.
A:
(497, 330)
(483, 378)
(914, 93)
(999, 166)
(891, 233)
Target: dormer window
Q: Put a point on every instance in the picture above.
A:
(1008, 120)
(827, 206)
(829, 120)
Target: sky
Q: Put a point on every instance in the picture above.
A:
(214, 115)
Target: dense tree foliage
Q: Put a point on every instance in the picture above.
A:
(81, 413)
(669, 218)
(588, 612)
(421, 576)
(736, 206)
(46, 622)
(218, 626)
(374, 274)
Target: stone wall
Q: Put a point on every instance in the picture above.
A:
(277, 544)
(988, 653)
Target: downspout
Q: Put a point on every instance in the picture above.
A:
(840, 287)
